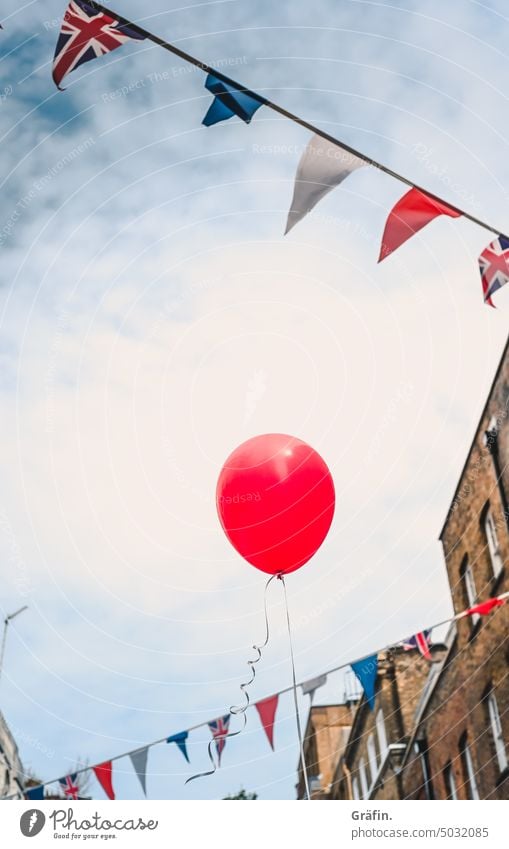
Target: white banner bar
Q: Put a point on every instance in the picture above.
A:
(198, 825)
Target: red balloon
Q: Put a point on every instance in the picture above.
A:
(275, 500)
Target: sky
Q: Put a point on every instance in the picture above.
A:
(153, 317)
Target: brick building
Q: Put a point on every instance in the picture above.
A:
(462, 730)
(327, 732)
(440, 730)
(368, 768)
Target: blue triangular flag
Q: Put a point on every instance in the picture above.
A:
(228, 101)
(180, 740)
(366, 671)
(35, 792)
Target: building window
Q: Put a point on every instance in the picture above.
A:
(421, 749)
(490, 529)
(467, 577)
(364, 779)
(450, 782)
(382, 736)
(468, 769)
(496, 731)
(355, 789)
(373, 765)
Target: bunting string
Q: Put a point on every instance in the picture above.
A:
(285, 113)
(90, 30)
(484, 608)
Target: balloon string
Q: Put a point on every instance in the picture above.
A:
(240, 710)
(297, 717)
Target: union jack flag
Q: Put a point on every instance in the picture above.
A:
(494, 267)
(421, 641)
(70, 786)
(87, 34)
(219, 728)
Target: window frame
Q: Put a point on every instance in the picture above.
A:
(363, 778)
(450, 782)
(497, 732)
(469, 588)
(373, 764)
(381, 733)
(490, 532)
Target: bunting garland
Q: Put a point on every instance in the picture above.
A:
(90, 30)
(70, 786)
(228, 101)
(310, 687)
(139, 762)
(267, 713)
(365, 669)
(219, 729)
(180, 740)
(411, 213)
(322, 166)
(494, 267)
(103, 773)
(87, 34)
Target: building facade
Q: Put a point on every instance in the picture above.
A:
(327, 732)
(440, 729)
(11, 769)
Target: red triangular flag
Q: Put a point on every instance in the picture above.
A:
(485, 607)
(267, 710)
(103, 775)
(412, 212)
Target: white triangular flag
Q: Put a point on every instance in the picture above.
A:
(322, 167)
(312, 685)
(139, 762)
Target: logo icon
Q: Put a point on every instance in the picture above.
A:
(32, 822)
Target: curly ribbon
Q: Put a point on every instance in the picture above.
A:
(240, 710)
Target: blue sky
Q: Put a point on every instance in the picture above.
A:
(153, 316)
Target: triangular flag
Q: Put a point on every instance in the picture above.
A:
(322, 167)
(35, 792)
(267, 711)
(219, 729)
(180, 740)
(494, 267)
(485, 607)
(421, 641)
(366, 671)
(312, 685)
(139, 762)
(411, 213)
(229, 101)
(87, 34)
(103, 774)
